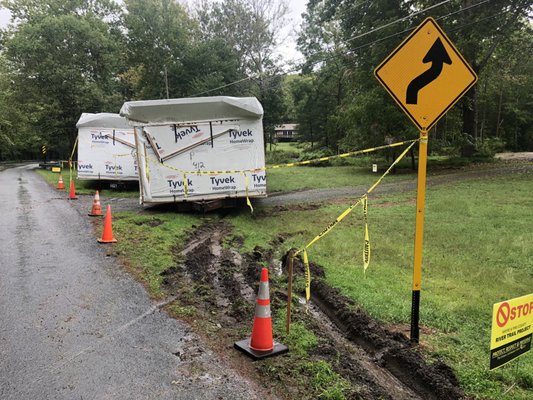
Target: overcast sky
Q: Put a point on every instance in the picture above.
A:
(288, 49)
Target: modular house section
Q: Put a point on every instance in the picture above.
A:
(198, 149)
(106, 148)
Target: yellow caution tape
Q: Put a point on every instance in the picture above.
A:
(185, 186)
(307, 277)
(349, 210)
(366, 246)
(72, 155)
(74, 147)
(248, 202)
(294, 164)
(352, 153)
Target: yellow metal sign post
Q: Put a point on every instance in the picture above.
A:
(426, 76)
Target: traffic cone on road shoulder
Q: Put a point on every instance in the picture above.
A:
(96, 210)
(261, 344)
(72, 194)
(107, 235)
(60, 183)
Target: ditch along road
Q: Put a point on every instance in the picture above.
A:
(73, 325)
(84, 328)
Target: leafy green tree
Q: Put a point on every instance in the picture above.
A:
(251, 29)
(480, 29)
(64, 62)
(158, 36)
(366, 32)
(16, 137)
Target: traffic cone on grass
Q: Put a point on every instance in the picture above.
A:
(96, 210)
(107, 235)
(261, 344)
(72, 195)
(60, 183)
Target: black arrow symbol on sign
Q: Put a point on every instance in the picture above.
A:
(438, 56)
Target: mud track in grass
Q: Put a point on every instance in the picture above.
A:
(216, 287)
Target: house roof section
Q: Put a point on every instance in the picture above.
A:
(286, 127)
(193, 109)
(102, 120)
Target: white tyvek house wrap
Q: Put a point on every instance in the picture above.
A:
(106, 148)
(173, 140)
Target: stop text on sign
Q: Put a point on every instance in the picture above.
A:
(507, 313)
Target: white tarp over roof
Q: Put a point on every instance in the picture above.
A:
(106, 148)
(153, 112)
(198, 148)
(102, 120)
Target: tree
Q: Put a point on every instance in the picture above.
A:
(64, 63)
(158, 36)
(251, 28)
(368, 31)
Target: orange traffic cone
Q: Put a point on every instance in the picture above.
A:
(96, 210)
(107, 235)
(261, 344)
(72, 195)
(60, 184)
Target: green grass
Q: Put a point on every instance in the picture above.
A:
(148, 241)
(88, 187)
(285, 146)
(302, 177)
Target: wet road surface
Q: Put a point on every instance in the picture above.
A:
(73, 325)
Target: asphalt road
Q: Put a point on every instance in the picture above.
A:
(73, 325)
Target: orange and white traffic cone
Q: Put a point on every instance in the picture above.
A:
(60, 183)
(107, 235)
(261, 344)
(96, 210)
(72, 194)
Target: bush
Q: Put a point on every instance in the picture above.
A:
(316, 154)
(281, 157)
(489, 147)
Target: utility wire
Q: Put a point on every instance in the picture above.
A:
(371, 43)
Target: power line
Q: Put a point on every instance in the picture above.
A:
(296, 69)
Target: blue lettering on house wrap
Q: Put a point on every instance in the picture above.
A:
(85, 166)
(177, 184)
(222, 181)
(259, 178)
(234, 134)
(109, 168)
(100, 136)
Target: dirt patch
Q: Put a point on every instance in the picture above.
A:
(515, 156)
(391, 350)
(150, 222)
(216, 287)
(279, 209)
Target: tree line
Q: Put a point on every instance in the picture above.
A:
(60, 58)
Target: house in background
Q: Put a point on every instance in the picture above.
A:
(286, 132)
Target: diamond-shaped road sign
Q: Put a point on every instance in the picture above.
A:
(426, 75)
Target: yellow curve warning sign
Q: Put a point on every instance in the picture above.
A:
(512, 329)
(426, 74)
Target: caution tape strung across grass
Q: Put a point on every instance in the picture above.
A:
(366, 245)
(243, 172)
(366, 250)
(293, 164)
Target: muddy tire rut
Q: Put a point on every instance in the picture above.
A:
(220, 284)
